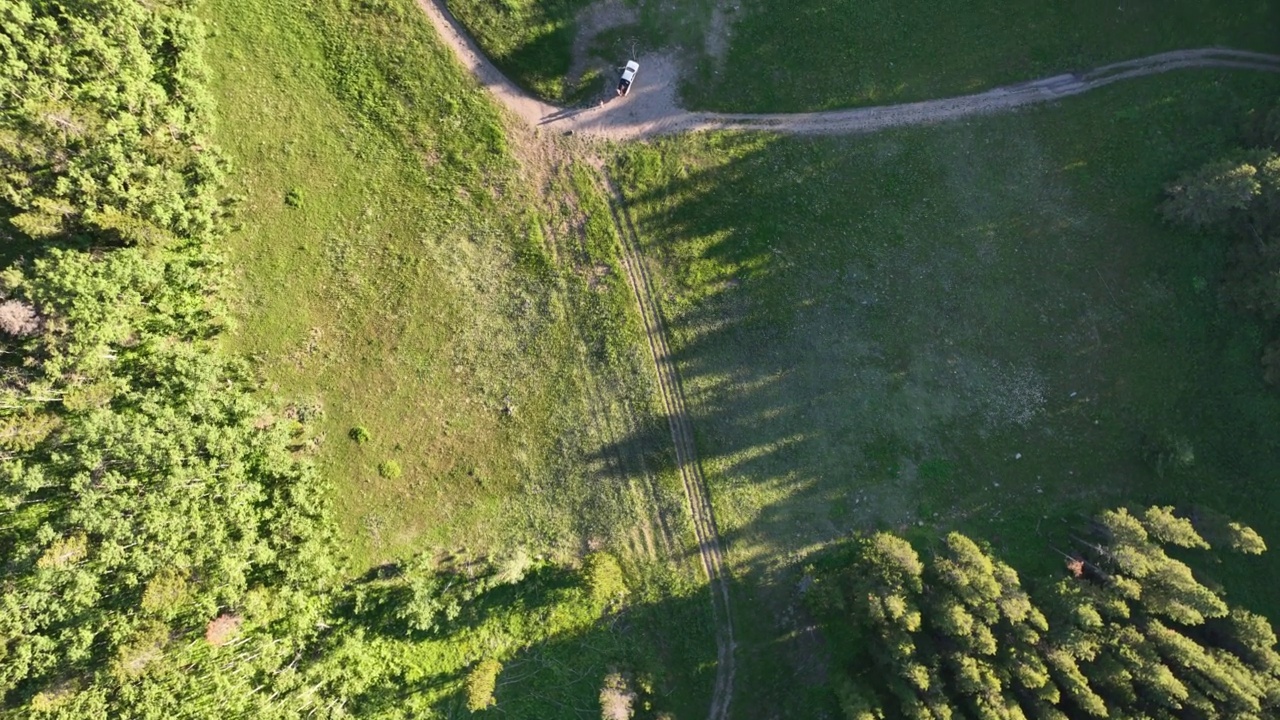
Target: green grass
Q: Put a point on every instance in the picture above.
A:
(392, 269)
(530, 40)
(978, 326)
(465, 337)
(818, 54)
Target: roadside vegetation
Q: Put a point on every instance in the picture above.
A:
(531, 41)
(984, 326)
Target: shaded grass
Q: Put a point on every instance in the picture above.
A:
(393, 274)
(980, 326)
(530, 40)
(818, 54)
(555, 642)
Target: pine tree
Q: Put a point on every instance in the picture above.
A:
(1131, 632)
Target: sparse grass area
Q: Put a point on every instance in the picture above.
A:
(394, 274)
(981, 326)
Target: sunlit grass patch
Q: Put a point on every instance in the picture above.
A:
(392, 271)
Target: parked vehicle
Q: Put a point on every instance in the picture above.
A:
(628, 76)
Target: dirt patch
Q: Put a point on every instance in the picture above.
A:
(591, 21)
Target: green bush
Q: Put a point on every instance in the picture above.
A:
(360, 434)
(604, 578)
(481, 682)
(390, 469)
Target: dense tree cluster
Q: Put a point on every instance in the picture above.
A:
(148, 504)
(1239, 196)
(1130, 632)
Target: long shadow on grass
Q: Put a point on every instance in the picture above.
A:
(889, 329)
(943, 327)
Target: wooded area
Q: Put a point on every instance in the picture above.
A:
(1131, 631)
(157, 519)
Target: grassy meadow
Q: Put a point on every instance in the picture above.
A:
(980, 326)
(395, 272)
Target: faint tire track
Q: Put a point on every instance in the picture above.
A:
(695, 487)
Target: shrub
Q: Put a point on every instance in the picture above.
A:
(604, 578)
(390, 469)
(481, 682)
(360, 434)
(512, 568)
(294, 197)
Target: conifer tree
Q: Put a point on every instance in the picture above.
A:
(1130, 632)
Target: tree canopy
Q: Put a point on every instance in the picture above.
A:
(146, 495)
(1129, 632)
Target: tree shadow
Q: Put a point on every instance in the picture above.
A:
(665, 647)
(952, 327)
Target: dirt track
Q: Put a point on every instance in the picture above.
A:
(652, 109)
(695, 486)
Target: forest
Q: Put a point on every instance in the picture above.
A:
(1127, 632)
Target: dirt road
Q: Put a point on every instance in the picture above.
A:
(652, 108)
